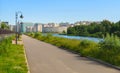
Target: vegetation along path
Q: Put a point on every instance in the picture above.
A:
(45, 58)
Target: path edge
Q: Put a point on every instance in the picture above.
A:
(26, 57)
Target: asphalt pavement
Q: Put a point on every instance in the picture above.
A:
(46, 58)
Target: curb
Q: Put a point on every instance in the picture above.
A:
(104, 63)
(26, 59)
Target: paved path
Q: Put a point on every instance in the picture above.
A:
(46, 58)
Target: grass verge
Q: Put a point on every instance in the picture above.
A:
(12, 58)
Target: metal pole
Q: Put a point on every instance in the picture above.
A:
(16, 25)
(16, 21)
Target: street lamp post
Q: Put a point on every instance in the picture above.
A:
(16, 21)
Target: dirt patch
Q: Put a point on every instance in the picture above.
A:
(18, 42)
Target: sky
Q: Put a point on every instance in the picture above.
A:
(45, 11)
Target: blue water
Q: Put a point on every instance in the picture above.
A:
(79, 37)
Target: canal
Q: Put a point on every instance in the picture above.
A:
(79, 37)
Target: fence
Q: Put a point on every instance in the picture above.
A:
(5, 33)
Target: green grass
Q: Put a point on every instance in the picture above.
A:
(12, 59)
(107, 50)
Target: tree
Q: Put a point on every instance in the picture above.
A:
(107, 24)
(4, 25)
(71, 30)
(96, 29)
(63, 32)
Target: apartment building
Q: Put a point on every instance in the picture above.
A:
(37, 27)
(12, 28)
(55, 29)
(25, 26)
(86, 22)
(51, 25)
(34, 28)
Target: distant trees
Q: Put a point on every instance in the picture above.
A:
(4, 28)
(95, 29)
(4, 25)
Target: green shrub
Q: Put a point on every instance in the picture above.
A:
(110, 49)
(37, 34)
(49, 35)
(110, 42)
(87, 47)
(31, 34)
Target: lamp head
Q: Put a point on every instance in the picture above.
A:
(21, 16)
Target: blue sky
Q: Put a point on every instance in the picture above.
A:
(45, 11)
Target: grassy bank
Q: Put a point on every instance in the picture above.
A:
(107, 50)
(12, 58)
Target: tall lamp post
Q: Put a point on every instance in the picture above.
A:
(16, 21)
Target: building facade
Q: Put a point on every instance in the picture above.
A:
(23, 26)
(29, 28)
(37, 27)
(12, 28)
(55, 29)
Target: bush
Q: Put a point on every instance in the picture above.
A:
(36, 35)
(31, 34)
(87, 47)
(110, 49)
(110, 42)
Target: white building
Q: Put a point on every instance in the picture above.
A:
(83, 23)
(51, 25)
(37, 28)
(64, 24)
(12, 28)
(55, 29)
(29, 28)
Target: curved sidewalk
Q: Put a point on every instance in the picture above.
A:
(45, 58)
